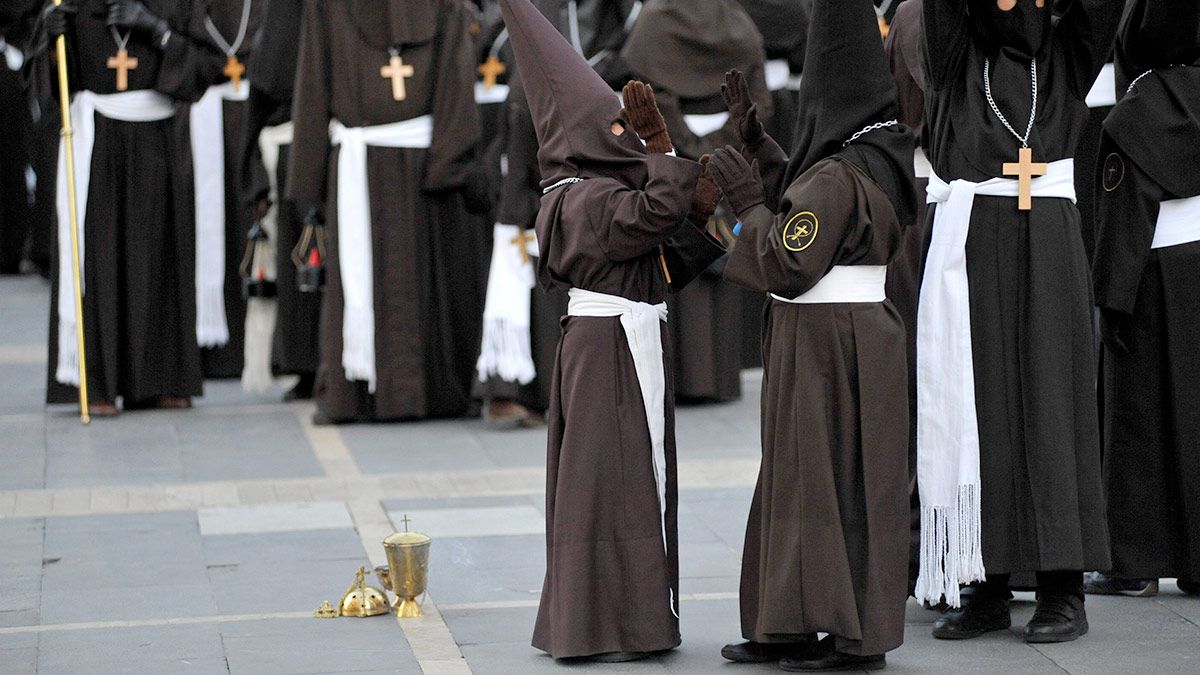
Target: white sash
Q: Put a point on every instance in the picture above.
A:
(261, 313)
(1104, 90)
(641, 323)
(921, 166)
(778, 73)
(845, 284)
(947, 426)
(497, 94)
(354, 233)
(703, 125)
(1178, 223)
(208, 159)
(13, 57)
(506, 351)
(142, 105)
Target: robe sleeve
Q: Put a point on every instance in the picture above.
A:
(456, 127)
(189, 67)
(1088, 28)
(947, 39)
(256, 184)
(772, 167)
(761, 259)
(1149, 23)
(631, 223)
(1125, 220)
(688, 252)
(311, 110)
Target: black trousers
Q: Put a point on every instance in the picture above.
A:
(1065, 582)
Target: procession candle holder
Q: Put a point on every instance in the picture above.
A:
(309, 254)
(254, 264)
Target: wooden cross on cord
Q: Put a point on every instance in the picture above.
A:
(1025, 170)
(490, 70)
(521, 241)
(234, 70)
(122, 63)
(396, 71)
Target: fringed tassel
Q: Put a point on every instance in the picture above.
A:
(212, 330)
(951, 548)
(505, 352)
(260, 334)
(358, 346)
(67, 370)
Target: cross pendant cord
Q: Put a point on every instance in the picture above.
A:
(122, 41)
(230, 49)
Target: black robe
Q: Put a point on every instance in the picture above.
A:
(273, 63)
(609, 581)
(14, 160)
(1151, 322)
(827, 540)
(1030, 295)
(428, 285)
(139, 308)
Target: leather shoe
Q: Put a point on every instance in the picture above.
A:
(1097, 583)
(824, 657)
(1188, 587)
(761, 652)
(1059, 617)
(979, 616)
(620, 657)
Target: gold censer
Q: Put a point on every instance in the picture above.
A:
(407, 571)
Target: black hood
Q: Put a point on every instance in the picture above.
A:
(1022, 32)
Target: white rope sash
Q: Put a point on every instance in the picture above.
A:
(143, 105)
(355, 256)
(641, 323)
(207, 129)
(1178, 223)
(947, 426)
(845, 284)
(506, 351)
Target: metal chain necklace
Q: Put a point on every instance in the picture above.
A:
(987, 89)
(868, 129)
(226, 46)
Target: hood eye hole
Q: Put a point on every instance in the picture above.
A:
(618, 127)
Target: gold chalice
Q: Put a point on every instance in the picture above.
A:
(407, 571)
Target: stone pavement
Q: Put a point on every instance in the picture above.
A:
(200, 541)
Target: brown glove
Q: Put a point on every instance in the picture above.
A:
(641, 112)
(736, 92)
(707, 196)
(739, 179)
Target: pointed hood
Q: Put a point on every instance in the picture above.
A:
(572, 108)
(784, 27)
(1157, 35)
(848, 86)
(687, 46)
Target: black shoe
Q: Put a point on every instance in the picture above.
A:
(1096, 583)
(620, 657)
(1188, 587)
(977, 617)
(303, 390)
(823, 656)
(761, 652)
(1059, 617)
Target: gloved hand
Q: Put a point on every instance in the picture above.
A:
(260, 209)
(133, 14)
(641, 112)
(1115, 330)
(738, 179)
(707, 196)
(743, 109)
(55, 18)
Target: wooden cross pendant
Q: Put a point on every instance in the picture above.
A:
(490, 70)
(521, 241)
(1025, 170)
(122, 63)
(234, 70)
(396, 71)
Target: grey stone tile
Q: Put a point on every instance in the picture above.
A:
(416, 446)
(310, 545)
(282, 585)
(708, 559)
(131, 449)
(19, 593)
(18, 640)
(20, 617)
(23, 460)
(491, 626)
(707, 585)
(722, 512)
(487, 569)
(25, 387)
(475, 521)
(508, 658)
(1002, 652)
(22, 545)
(346, 645)
(210, 457)
(141, 666)
(265, 518)
(64, 650)
(21, 661)
(398, 507)
(158, 600)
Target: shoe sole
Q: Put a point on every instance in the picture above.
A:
(1051, 639)
(1147, 592)
(960, 635)
(849, 667)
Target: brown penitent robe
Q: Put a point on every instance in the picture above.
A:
(826, 545)
(684, 50)
(428, 262)
(226, 361)
(139, 308)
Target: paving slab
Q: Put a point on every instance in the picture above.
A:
(147, 648)
(267, 518)
(317, 646)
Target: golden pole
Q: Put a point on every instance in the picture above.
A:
(64, 96)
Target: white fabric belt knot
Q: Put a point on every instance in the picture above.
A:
(1178, 223)
(641, 323)
(921, 166)
(845, 284)
(356, 262)
(207, 127)
(506, 350)
(947, 425)
(143, 105)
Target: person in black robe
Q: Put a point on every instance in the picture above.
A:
(684, 50)
(139, 307)
(612, 228)
(273, 62)
(1016, 469)
(826, 539)
(600, 29)
(1147, 256)
(15, 218)
(402, 304)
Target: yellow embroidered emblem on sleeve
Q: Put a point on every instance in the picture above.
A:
(801, 231)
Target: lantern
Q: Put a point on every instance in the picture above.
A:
(255, 283)
(309, 254)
